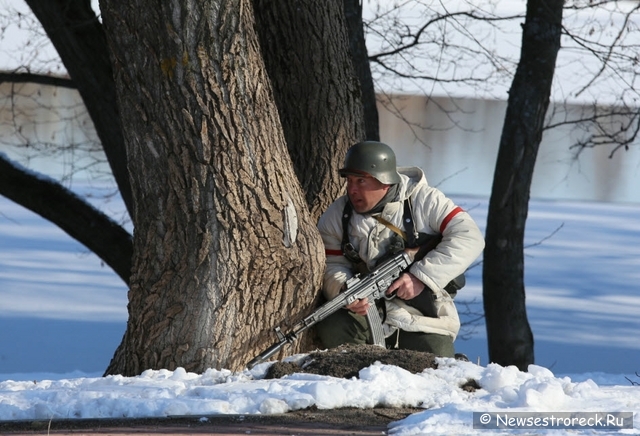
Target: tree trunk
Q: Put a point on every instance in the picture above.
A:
(306, 52)
(360, 57)
(508, 331)
(78, 36)
(224, 246)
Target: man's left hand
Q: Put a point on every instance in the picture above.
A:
(406, 287)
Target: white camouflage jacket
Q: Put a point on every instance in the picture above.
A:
(432, 213)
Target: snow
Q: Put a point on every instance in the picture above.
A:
(66, 315)
(62, 315)
(448, 409)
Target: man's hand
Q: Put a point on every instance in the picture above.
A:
(359, 306)
(406, 287)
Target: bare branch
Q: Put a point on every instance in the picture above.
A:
(76, 217)
(40, 79)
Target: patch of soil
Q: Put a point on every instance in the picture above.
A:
(346, 361)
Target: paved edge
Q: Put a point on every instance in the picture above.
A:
(302, 422)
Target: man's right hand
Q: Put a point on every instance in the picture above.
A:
(359, 306)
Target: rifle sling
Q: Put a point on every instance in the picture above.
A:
(391, 227)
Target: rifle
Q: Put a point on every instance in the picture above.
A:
(372, 286)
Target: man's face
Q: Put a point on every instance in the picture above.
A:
(365, 192)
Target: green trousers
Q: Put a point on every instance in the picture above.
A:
(346, 327)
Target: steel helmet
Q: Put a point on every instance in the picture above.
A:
(373, 158)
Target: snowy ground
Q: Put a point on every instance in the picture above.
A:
(62, 315)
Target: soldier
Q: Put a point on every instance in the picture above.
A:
(386, 209)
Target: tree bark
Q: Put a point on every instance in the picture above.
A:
(78, 37)
(508, 331)
(224, 246)
(305, 49)
(360, 57)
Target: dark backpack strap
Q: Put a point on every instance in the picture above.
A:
(409, 227)
(348, 249)
(425, 301)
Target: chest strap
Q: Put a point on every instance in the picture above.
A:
(391, 227)
(409, 236)
(347, 247)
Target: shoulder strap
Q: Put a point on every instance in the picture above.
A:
(348, 249)
(391, 227)
(409, 227)
(408, 235)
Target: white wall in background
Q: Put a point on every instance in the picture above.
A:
(458, 149)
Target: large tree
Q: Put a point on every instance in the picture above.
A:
(508, 331)
(321, 117)
(224, 243)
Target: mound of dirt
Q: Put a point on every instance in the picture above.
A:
(346, 361)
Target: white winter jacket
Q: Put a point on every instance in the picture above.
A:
(432, 213)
